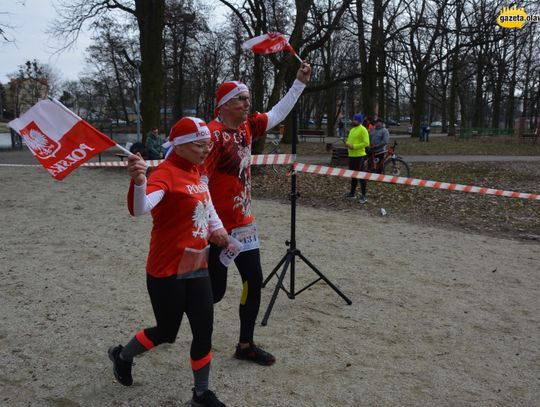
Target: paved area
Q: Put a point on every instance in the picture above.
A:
(25, 157)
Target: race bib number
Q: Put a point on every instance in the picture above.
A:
(229, 253)
(248, 236)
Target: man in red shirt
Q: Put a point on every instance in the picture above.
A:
(227, 170)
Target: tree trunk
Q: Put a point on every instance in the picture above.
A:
(497, 92)
(478, 116)
(119, 84)
(150, 18)
(454, 82)
(381, 111)
(420, 99)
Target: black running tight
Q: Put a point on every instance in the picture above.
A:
(170, 298)
(355, 163)
(249, 266)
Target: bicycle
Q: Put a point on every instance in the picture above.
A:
(390, 164)
(273, 149)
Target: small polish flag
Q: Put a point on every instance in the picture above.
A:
(58, 138)
(269, 43)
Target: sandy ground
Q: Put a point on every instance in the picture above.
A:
(438, 318)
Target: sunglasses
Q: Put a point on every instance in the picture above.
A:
(242, 99)
(203, 146)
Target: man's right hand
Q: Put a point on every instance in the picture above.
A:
(137, 168)
(304, 72)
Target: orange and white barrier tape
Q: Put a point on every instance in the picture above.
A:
(340, 172)
(262, 159)
(284, 159)
(273, 159)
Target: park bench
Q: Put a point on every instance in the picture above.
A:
(306, 134)
(525, 132)
(530, 135)
(340, 156)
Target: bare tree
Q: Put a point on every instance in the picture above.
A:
(149, 14)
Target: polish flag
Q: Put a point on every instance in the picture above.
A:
(59, 139)
(269, 44)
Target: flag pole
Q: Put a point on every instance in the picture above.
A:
(125, 150)
(297, 57)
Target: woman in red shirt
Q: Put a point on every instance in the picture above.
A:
(177, 270)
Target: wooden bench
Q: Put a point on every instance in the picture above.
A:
(529, 136)
(310, 133)
(340, 157)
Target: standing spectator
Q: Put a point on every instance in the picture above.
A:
(228, 171)
(177, 271)
(424, 136)
(153, 145)
(378, 138)
(368, 123)
(357, 141)
(341, 128)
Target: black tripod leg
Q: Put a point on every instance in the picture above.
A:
(267, 279)
(323, 277)
(287, 260)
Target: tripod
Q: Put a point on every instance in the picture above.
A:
(292, 252)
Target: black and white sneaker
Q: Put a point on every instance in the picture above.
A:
(121, 368)
(254, 354)
(207, 399)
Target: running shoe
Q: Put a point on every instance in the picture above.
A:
(362, 199)
(254, 354)
(207, 399)
(121, 368)
(349, 195)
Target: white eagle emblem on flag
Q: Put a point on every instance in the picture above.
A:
(38, 142)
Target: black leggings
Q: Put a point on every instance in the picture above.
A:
(249, 266)
(355, 163)
(170, 298)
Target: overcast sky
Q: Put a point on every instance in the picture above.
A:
(29, 22)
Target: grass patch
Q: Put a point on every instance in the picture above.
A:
(484, 214)
(485, 145)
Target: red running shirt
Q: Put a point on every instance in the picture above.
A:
(180, 219)
(228, 169)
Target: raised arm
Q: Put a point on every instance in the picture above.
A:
(282, 108)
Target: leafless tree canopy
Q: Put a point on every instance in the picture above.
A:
(414, 61)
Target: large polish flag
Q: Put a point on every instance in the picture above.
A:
(269, 43)
(59, 139)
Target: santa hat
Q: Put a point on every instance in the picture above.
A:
(186, 130)
(227, 91)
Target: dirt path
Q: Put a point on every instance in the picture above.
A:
(439, 317)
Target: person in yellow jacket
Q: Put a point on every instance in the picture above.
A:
(357, 141)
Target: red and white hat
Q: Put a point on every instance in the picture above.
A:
(186, 130)
(227, 91)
